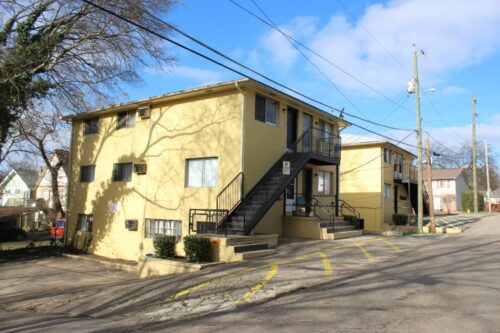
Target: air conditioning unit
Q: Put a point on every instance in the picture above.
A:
(131, 225)
(144, 111)
(140, 168)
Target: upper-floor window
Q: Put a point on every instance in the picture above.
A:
(324, 182)
(91, 126)
(87, 173)
(201, 172)
(266, 110)
(387, 155)
(122, 172)
(125, 119)
(326, 129)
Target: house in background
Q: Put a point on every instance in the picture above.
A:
(377, 179)
(43, 188)
(236, 158)
(447, 188)
(19, 188)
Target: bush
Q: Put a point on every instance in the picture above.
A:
(350, 218)
(400, 219)
(164, 246)
(198, 248)
(468, 201)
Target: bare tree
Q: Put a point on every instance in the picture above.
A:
(73, 55)
(62, 56)
(445, 158)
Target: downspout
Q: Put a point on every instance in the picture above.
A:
(68, 185)
(242, 139)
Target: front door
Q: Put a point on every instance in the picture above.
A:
(395, 199)
(290, 197)
(291, 128)
(307, 122)
(307, 188)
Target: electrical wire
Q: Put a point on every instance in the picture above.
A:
(235, 70)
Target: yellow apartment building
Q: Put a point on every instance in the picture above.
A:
(234, 158)
(377, 179)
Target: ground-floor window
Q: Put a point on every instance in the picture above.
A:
(163, 227)
(85, 222)
(324, 182)
(387, 191)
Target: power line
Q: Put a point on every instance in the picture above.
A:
(197, 41)
(228, 67)
(318, 55)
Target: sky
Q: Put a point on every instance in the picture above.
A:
(369, 47)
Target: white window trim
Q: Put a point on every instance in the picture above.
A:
(203, 183)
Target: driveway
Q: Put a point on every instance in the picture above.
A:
(66, 294)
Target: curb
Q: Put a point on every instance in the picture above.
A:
(121, 266)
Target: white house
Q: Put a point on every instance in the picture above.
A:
(447, 188)
(18, 187)
(44, 182)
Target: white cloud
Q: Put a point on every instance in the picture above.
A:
(453, 90)
(455, 33)
(198, 75)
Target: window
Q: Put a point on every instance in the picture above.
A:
(85, 222)
(17, 191)
(201, 172)
(7, 191)
(266, 110)
(387, 191)
(91, 126)
(387, 155)
(326, 129)
(122, 172)
(125, 120)
(87, 173)
(324, 182)
(163, 227)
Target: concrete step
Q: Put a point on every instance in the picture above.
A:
(250, 247)
(347, 234)
(257, 254)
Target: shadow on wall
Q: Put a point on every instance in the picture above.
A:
(163, 143)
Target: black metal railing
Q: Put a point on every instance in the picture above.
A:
(320, 142)
(229, 198)
(344, 206)
(205, 220)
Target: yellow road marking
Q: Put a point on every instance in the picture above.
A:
(269, 276)
(394, 247)
(248, 270)
(187, 291)
(364, 251)
(326, 263)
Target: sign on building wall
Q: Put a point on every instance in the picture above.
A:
(286, 167)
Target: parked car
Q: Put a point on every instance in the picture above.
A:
(10, 233)
(57, 230)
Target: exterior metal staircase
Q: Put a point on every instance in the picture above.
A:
(237, 213)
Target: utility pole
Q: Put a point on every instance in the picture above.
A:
(420, 212)
(488, 188)
(474, 171)
(432, 225)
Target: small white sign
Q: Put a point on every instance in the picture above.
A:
(286, 167)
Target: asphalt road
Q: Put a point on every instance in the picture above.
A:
(370, 284)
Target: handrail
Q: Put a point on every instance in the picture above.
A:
(230, 197)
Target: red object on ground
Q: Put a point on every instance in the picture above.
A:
(57, 228)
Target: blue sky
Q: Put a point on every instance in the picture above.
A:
(372, 41)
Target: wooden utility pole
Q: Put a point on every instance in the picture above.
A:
(432, 225)
(488, 188)
(474, 171)
(420, 201)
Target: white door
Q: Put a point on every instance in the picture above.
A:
(290, 196)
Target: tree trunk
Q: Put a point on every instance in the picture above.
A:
(56, 199)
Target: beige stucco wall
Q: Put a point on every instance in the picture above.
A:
(363, 175)
(176, 131)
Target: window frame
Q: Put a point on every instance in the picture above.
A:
(92, 167)
(84, 225)
(129, 117)
(263, 115)
(322, 181)
(115, 172)
(88, 128)
(174, 228)
(204, 178)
